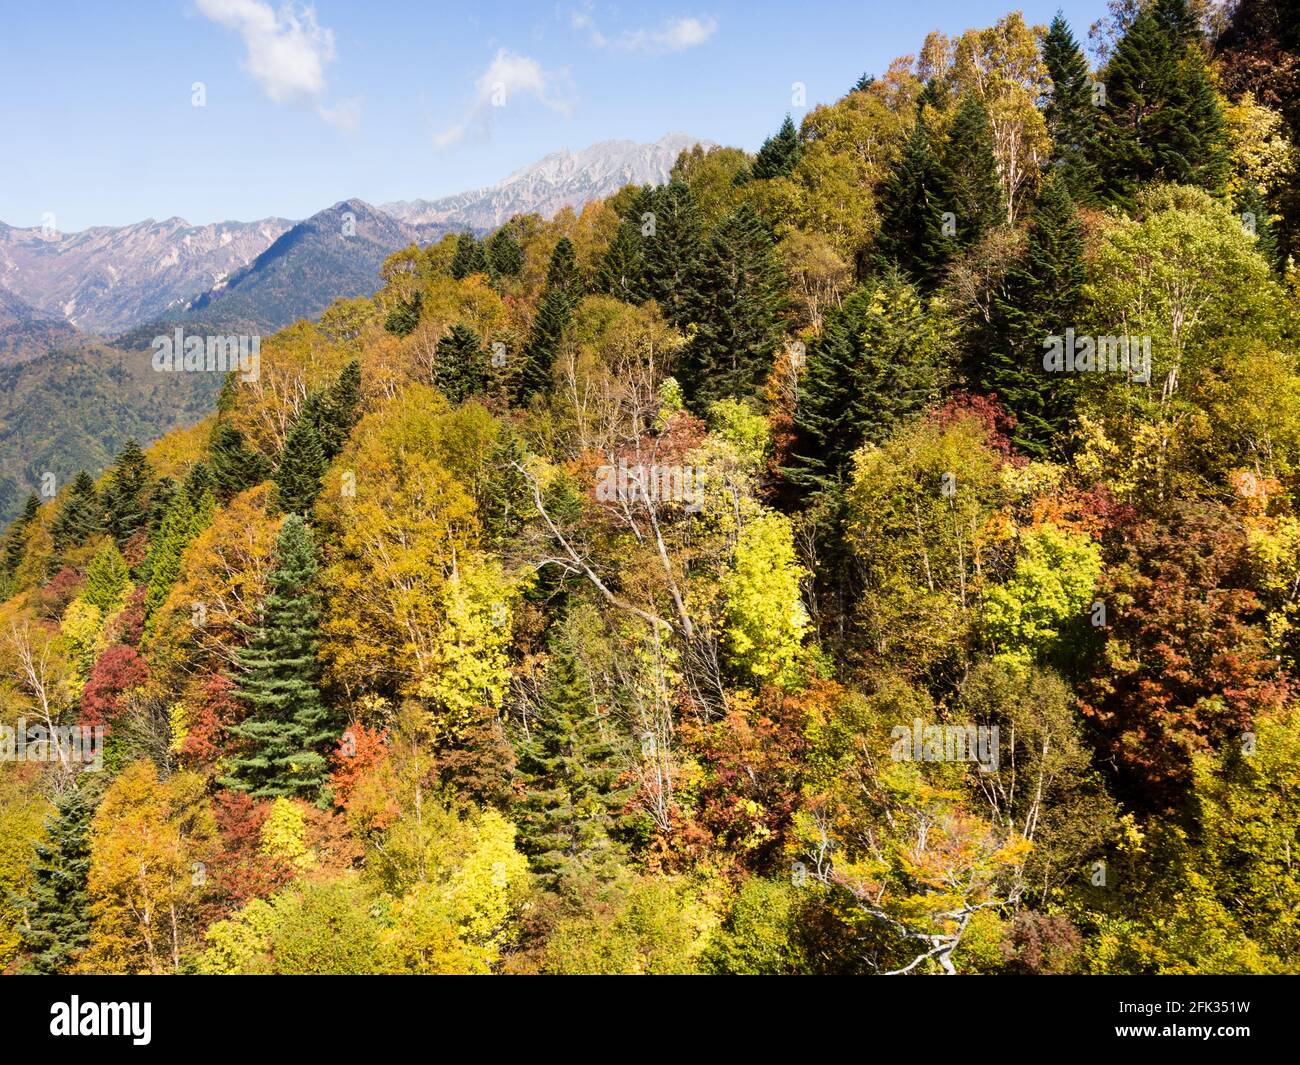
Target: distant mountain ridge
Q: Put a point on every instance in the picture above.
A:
(561, 179)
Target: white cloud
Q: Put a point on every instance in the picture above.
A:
(675, 35)
(508, 77)
(286, 52)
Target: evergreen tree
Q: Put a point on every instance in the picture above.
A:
(506, 498)
(623, 265)
(1070, 114)
(569, 764)
(1039, 298)
(1162, 121)
(107, 578)
(914, 199)
(460, 368)
(972, 173)
(882, 357)
(504, 255)
(405, 315)
(56, 908)
(164, 494)
(15, 543)
(80, 516)
(302, 465)
(671, 251)
(184, 520)
(735, 302)
(469, 257)
(235, 466)
(779, 154)
(559, 298)
(1254, 211)
(334, 411)
(863, 83)
(288, 726)
(126, 493)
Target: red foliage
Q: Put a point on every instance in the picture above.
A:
(128, 625)
(117, 669)
(359, 750)
(238, 870)
(53, 598)
(215, 709)
(998, 422)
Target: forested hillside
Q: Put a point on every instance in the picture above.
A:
(879, 554)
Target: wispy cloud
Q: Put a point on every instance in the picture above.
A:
(675, 35)
(286, 52)
(508, 77)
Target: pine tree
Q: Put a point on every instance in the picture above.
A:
(671, 251)
(559, 298)
(882, 357)
(288, 726)
(302, 465)
(199, 483)
(1162, 120)
(57, 907)
(914, 199)
(107, 578)
(469, 257)
(1070, 113)
(504, 255)
(1039, 298)
(235, 466)
(1252, 210)
(126, 493)
(972, 173)
(80, 515)
(15, 542)
(405, 315)
(460, 369)
(779, 154)
(863, 83)
(735, 302)
(569, 764)
(623, 265)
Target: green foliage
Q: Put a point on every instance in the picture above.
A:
(126, 493)
(107, 578)
(504, 255)
(80, 514)
(1071, 114)
(469, 258)
(302, 465)
(779, 153)
(235, 466)
(460, 367)
(559, 298)
(916, 194)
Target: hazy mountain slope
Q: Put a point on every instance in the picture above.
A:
(26, 333)
(107, 279)
(561, 179)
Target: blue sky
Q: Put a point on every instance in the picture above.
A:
(388, 99)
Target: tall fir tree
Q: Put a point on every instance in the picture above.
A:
(405, 315)
(971, 173)
(80, 516)
(569, 763)
(736, 300)
(671, 242)
(882, 357)
(56, 906)
(302, 465)
(1070, 113)
(1162, 118)
(469, 257)
(1254, 214)
(126, 493)
(914, 199)
(504, 255)
(1040, 297)
(235, 466)
(288, 726)
(460, 366)
(15, 542)
(779, 154)
(334, 411)
(107, 578)
(559, 298)
(623, 265)
(184, 520)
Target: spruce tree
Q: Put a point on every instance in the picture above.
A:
(569, 764)
(623, 265)
(235, 466)
(1040, 297)
(460, 368)
(302, 465)
(107, 578)
(736, 300)
(1253, 211)
(779, 154)
(914, 199)
(15, 543)
(56, 908)
(972, 173)
(405, 315)
(469, 257)
(671, 251)
(333, 412)
(80, 516)
(126, 493)
(184, 520)
(1162, 118)
(504, 255)
(287, 727)
(1070, 114)
(882, 357)
(559, 298)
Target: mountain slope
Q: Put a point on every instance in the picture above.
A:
(561, 179)
(27, 334)
(107, 279)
